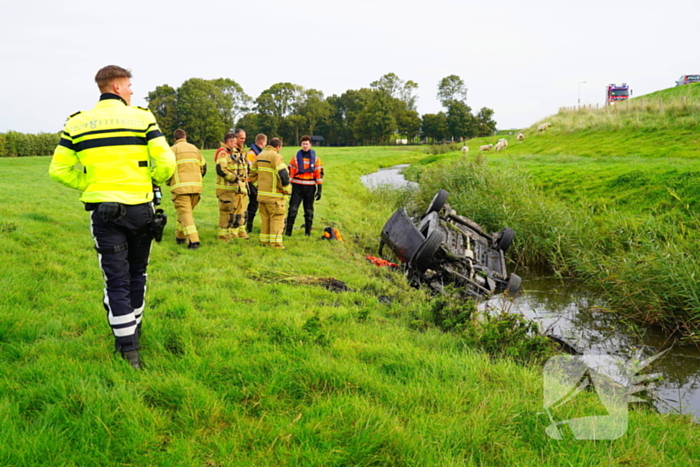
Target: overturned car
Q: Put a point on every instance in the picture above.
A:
(444, 248)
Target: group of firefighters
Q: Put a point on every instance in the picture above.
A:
(246, 182)
(115, 154)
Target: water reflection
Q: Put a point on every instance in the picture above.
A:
(572, 313)
(390, 176)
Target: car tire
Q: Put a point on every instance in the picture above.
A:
(438, 202)
(505, 238)
(513, 286)
(423, 256)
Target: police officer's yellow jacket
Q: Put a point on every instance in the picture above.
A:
(121, 151)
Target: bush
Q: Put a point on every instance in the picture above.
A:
(15, 144)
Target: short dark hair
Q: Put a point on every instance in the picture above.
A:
(106, 75)
(259, 138)
(179, 134)
(305, 138)
(229, 136)
(276, 142)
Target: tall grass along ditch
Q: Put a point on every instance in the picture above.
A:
(645, 264)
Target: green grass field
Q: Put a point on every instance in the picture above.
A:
(249, 362)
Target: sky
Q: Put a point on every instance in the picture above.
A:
(524, 60)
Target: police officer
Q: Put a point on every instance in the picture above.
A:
(122, 153)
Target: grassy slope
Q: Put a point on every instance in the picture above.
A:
(249, 365)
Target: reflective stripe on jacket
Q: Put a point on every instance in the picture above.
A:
(231, 171)
(121, 150)
(265, 175)
(191, 166)
(306, 178)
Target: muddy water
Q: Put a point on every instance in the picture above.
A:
(576, 316)
(579, 318)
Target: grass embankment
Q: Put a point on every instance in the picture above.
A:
(250, 363)
(612, 196)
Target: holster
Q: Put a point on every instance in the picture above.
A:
(111, 212)
(158, 225)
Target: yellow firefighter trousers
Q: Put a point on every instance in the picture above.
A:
(225, 214)
(272, 218)
(184, 205)
(240, 207)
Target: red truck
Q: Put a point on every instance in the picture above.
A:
(615, 93)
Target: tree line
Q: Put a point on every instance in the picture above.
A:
(16, 144)
(379, 114)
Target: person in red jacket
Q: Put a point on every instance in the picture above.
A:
(306, 173)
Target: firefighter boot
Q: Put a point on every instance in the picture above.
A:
(249, 223)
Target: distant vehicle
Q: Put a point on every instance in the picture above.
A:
(614, 93)
(687, 79)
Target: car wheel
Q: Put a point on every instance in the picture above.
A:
(514, 282)
(424, 254)
(505, 238)
(438, 202)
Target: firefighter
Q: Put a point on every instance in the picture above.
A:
(255, 149)
(306, 172)
(122, 153)
(186, 188)
(231, 189)
(270, 176)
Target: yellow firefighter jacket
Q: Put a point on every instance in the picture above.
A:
(231, 171)
(121, 150)
(191, 167)
(269, 174)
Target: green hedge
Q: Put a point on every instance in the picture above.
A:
(15, 144)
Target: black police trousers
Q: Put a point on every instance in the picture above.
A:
(123, 247)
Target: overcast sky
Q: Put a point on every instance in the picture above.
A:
(522, 59)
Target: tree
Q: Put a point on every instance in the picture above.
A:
(485, 125)
(314, 109)
(344, 111)
(375, 123)
(451, 88)
(409, 124)
(292, 126)
(238, 101)
(163, 103)
(460, 121)
(434, 126)
(198, 105)
(275, 103)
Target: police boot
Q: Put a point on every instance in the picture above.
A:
(288, 230)
(307, 228)
(132, 356)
